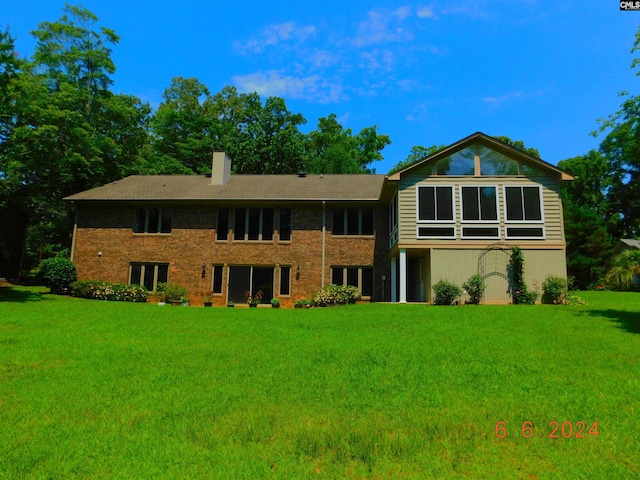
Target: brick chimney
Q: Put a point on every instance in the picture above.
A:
(220, 169)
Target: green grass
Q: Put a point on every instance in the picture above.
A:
(92, 389)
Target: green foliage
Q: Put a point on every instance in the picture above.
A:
(332, 149)
(275, 302)
(331, 295)
(554, 290)
(518, 145)
(624, 273)
(58, 273)
(475, 288)
(446, 293)
(521, 295)
(171, 292)
(316, 385)
(99, 290)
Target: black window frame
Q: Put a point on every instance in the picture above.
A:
(353, 221)
(344, 275)
(144, 223)
(160, 273)
(440, 215)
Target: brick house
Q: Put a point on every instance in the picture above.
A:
(286, 235)
(454, 214)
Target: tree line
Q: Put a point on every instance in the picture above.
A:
(64, 130)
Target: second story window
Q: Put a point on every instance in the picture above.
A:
(435, 204)
(523, 204)
(152, 220)
(353, 221)
(253, 224)
(479, 204)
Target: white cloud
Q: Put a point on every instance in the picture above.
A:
(277, 34)
(378, 59)
(425, 12)
(503, 98)
(272, 83)
(383, 26)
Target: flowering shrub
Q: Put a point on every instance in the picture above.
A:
(254, 299)
(330, 295)
(109, 291)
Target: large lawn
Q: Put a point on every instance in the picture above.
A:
(92, 389)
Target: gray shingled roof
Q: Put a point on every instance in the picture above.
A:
(239, 187)
(631, 242)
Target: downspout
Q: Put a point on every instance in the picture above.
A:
(73, 238)
(324, 231)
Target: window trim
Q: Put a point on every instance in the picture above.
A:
(143, 267)
(161, 210)
(360, 271)
(480, 225)
(520, 225)
(345, 222)
(453, 204)
(524, 220)
(280, 294)
(214, 268)
(436, 237)
(478, 187)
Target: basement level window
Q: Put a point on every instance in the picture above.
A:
(149, 274)
(360, 277)
(152, 220)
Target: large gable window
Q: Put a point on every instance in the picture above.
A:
(152, 220)
(495, 163)
(458, 163)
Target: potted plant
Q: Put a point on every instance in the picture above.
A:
(253, 300)
(230, 304)
(207, 297)
(303, 303)
(184, 300)
(161, 290)
(275, 303)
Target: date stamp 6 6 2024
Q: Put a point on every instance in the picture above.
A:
(554, 430)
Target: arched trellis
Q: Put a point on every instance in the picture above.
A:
(494, 261)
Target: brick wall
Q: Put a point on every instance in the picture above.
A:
(108, 230)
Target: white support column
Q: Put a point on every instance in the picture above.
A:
(403, 275)
(393, 280)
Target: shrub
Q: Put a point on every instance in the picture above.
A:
(475, 288)
(171, 292)
(330, 295)
(554, 290)
(446, 293)
(521, 295)
(109, 291)
(58, 273)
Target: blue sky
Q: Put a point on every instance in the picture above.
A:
(425, 73)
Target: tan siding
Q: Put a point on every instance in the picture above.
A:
(554, 230)
(458, 265)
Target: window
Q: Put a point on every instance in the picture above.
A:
(435, 204)
(458, 163)
(250, 279)
(152, 220)
(495, 163)
(284, 233)
(222, 229)
(523, 204)
(360, 277)
(479, 204)
(253, 224)
(149, 274)
(217, 279)
(436, 232)
(353, 221)
(285, 281)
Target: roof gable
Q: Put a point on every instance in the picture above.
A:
(459, 159)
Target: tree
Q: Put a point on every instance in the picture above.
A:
(333, 149)
(68, 131)
(518, 145)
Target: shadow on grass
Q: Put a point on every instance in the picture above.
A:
(19, 295)
(625, 320)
